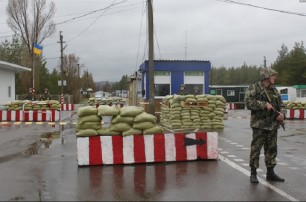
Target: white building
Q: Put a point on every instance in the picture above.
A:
(7, 80)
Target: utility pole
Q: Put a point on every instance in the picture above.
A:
(62, 61)
(265, 61)
(79, 92)
(151, 59)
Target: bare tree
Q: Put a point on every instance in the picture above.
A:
(32, 21)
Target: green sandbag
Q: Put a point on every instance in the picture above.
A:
(153, 130)
(120, 127)
(88, 125)
(143, 125)
(131, 111)
(87, 133)
(132, 131)
(89, 118)
(87, 110)
(145, 117)
(107, 131)
(106, 110)
(123, 119)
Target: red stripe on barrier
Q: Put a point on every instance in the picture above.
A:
(17, 115)
(35, 115)
(159, 148)
(44, 115)
(62, 107)
(1, 115)
(139, 149)
(181, 153)
(9, 116)
(301, 114)
(291, 114)
(72, 107)
(26, 116)
(52, 115)
(95, 151)
(202, 149)
(117, 149)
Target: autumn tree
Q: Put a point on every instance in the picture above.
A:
(32, 22)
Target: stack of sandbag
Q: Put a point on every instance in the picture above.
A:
(128, 120)
(295, 105)
(53, 104)
(32, 105)
(193, 111)
(88, 121)
(132, 120)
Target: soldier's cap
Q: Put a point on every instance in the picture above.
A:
(266, 72)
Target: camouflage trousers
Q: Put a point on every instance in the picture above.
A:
(268, 140)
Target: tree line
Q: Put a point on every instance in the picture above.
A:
(290, 66)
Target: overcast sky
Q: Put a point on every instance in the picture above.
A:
(113, 42)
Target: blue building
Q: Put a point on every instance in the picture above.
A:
(170, 74)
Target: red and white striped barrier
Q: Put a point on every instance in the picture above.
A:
(36, 115)
(67, 107)
(117, 149)
(296, 113)
(231, 106)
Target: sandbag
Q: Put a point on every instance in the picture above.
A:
(153, 130)
(145, 117)
(87, 110)
(131, 110)
(87, 132)
(105, 110)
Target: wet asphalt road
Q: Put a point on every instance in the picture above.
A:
(38, 162)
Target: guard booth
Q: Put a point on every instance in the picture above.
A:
(168, 77)
(233, 94)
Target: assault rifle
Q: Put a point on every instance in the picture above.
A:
(275, 114)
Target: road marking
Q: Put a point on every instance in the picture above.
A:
(261, 181)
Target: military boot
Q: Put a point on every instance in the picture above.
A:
(253, 177)
(272, 176)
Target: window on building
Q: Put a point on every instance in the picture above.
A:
(284, 91)
(162, 89)
(190, 88)
(301, 93)
(230, 93)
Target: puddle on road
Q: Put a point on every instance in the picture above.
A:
(45, 141)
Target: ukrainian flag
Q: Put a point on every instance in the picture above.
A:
(37, 49)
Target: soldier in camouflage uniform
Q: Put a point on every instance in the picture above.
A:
(264, 101)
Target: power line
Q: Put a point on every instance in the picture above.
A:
(265, 8)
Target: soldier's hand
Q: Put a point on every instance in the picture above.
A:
(280, 117)
(269, 107)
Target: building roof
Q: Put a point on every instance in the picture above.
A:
(13, 67)
(180, 61)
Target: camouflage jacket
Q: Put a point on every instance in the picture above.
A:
(256, 99)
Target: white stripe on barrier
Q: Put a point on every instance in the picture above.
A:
(192, 149)
(83, 151)
(149, 147)
(107, 149)
(212, 145)
(170, 147)
(128, 149)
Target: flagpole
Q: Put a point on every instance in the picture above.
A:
(33, 67)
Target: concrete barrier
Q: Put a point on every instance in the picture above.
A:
(296, 114)
(133, 149)
(33, 115)
(67, 107)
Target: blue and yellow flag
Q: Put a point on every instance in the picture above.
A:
(37, 49)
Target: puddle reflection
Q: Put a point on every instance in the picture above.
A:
(137, 182)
